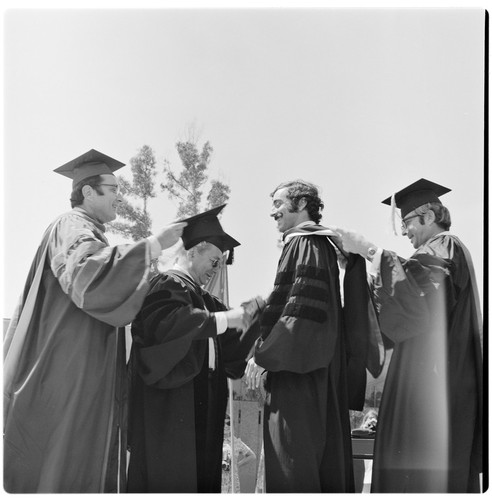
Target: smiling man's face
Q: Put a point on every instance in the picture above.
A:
(205, 263)
(416, 232)
(282, 211)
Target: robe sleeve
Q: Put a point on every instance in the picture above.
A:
(404, 289)
(302, 320)
(237, 347)
(108, 283)
(165, 332)
(362, 334)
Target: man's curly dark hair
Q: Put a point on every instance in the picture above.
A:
(299, 189)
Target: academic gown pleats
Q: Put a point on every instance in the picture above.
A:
(429, 432)
(178, 403)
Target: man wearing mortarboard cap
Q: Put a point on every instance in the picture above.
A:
(429, 433)
(185, 344)
(64, 353)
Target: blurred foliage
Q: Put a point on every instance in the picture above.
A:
(136, 222)
(187, 186)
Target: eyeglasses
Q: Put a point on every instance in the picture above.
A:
(404, 221)
(116, 189)
(216, 263)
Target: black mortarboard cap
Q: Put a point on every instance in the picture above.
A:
(206, 227)
(91, 163)
(417, 194)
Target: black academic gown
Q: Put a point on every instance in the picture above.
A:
(177, 404)
(302, 346)
(429, 432)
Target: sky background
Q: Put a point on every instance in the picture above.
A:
(361, 102)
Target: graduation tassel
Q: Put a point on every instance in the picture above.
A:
(393, 214)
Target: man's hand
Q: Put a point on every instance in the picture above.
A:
(237, 318)
(351, 241)
(253, 308)
(253, 374)
(242, 317)
(170, 234)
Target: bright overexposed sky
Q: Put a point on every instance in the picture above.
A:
(361, 102)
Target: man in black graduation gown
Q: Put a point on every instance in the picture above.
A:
(185, 345)
(429, 432)
(304, 350)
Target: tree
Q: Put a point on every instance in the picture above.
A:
(218, 194)
(137, 223)
(187, 186)
(134, 220)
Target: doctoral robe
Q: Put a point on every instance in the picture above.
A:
(178, 402)
(64, 361)
(304, 348)
(429, 431)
